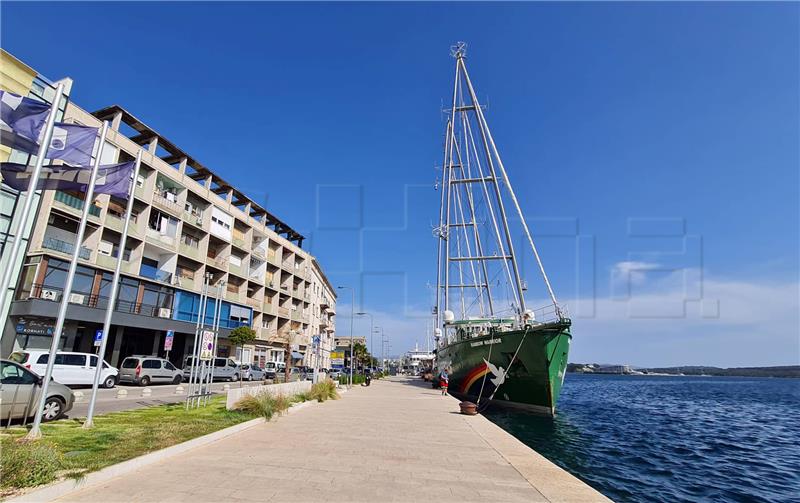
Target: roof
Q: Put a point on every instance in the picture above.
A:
(198, 172)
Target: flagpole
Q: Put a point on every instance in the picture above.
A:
(8, 272)
(35, 432)
(112, 298)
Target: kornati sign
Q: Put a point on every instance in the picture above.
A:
(337, 359)
(168, 340)
(207, 345)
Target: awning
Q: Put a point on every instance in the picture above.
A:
(297, 356)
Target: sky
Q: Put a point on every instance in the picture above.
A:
(654, 147)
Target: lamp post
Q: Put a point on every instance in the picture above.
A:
(371, 328)
(352, 317)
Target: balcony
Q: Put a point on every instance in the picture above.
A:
(239, 242)
(190, 250)
(283, 312)
(111, 263)
(220, 261)
(116, 223)
(268, 308)
(73, 203)
(193, 217)
(157, 275)
(259, 252)
(232, 295)
(64, 247)
(165, 201)
(272, 258)
(238, 270)
(254, 303)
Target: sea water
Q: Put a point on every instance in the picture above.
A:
(654, 438)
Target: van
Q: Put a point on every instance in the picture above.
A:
(225, 369)
(143, 370)
(70, 368)
(274, 368)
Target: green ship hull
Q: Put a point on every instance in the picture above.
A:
(533, 380)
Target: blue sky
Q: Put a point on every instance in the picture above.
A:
(654, 146)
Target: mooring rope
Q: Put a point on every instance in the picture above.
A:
(505, 372)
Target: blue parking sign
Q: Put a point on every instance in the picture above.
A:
(98, 336)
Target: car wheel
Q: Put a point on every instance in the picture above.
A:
(235, 377)
(110, 382)
(250, 377)
(144, 381)
(53, 409)
(177, 380)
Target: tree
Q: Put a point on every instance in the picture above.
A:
(361, 354)
(240, 336)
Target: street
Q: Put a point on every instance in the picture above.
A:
(107, 400)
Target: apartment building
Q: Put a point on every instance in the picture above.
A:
(189, 227)
(18, 78)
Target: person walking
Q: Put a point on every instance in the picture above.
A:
(443, 381)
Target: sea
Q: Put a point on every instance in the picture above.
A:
(672, 438)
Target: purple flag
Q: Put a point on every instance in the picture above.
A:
(21, 121)
(112, 179)
(72, 143)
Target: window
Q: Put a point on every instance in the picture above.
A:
(93, 361)
(169, 366)
(130, 363)
(151, 364)
(73, 360)
(11, 374)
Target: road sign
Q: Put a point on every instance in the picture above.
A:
(315, 341)
(168, 340)
(207, 345)
(98, 337)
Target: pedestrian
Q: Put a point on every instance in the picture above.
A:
(443, 380)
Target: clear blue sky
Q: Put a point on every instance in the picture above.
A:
(330, 115)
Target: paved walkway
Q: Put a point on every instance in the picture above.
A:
(396, 440)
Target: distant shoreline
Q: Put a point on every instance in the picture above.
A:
(784, 371)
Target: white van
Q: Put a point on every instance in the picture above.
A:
(225, 369)
(272, 369)
(70, 368)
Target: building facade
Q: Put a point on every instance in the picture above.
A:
(189, 227)
(18, 78)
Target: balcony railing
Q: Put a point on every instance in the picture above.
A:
(193, 218)
(160, 199)
(190, 250)
(238, 270)
(111, 262)
(54, 293)
(60, 246)
(74, 202)
(282, 311)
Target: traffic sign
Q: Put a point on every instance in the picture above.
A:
(98, 337)
(168, 340)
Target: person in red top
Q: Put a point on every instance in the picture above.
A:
(443, 380)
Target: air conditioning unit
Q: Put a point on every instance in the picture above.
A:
(164, 312)
(76, 298)
(199, 221)
(50, 295)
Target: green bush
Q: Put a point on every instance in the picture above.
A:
(357, 379)
(29, 464)
(323, 390)
(263, 404)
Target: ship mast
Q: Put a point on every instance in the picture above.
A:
(472, 174)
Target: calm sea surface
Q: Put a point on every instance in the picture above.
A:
(645, 439)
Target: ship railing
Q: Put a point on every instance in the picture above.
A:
(550, 313)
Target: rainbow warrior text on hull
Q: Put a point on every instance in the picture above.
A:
(495, 348)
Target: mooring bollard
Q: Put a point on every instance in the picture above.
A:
(146, 392)
(122, 393)
(179, 390)
(78, 396)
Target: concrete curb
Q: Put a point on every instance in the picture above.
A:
(65, 487)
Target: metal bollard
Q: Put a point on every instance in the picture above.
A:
(122, 393)
(179, 390)
(146, 392)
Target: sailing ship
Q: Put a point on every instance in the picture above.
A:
(495, 348)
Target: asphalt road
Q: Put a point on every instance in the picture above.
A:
(160, 394)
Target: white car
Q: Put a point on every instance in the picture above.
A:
(70, 368)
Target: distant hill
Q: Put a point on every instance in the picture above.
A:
(693, 370)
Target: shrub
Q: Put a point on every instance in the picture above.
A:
(263, 404)
(323, 390)
(29, 464)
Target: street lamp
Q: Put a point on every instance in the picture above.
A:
(375, 331)
(352, 316)
(371, 328)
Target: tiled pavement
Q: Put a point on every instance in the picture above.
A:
(396, 440)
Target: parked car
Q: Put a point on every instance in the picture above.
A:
(69, 368)
(274, 368)
(252, 372)
(144, 370)
(20, 392)
(334, 374)
(225, 369)
(297, 374)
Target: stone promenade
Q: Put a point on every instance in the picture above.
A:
(396, 440)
